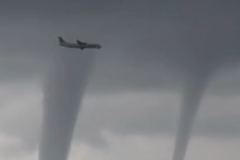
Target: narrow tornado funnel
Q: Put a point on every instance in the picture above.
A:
(192, 96)
(63, 93)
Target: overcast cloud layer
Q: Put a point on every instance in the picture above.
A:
(132, 147)
(148, 47)
(134, 113)
(144, 43)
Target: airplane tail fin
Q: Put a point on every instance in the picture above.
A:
(61, 40)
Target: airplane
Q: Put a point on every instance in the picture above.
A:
(79, 44)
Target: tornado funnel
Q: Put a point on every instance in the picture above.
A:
(63, 92)
(193, 92)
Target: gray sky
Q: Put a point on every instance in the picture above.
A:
(148, 46)
(139, 38)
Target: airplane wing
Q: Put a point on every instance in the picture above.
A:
(82, 43)
(61, 40)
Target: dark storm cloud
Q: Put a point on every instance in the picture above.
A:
(73, 6)
(146, 45)
(142, 41)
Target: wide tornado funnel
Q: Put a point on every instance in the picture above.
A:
(63, 93)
